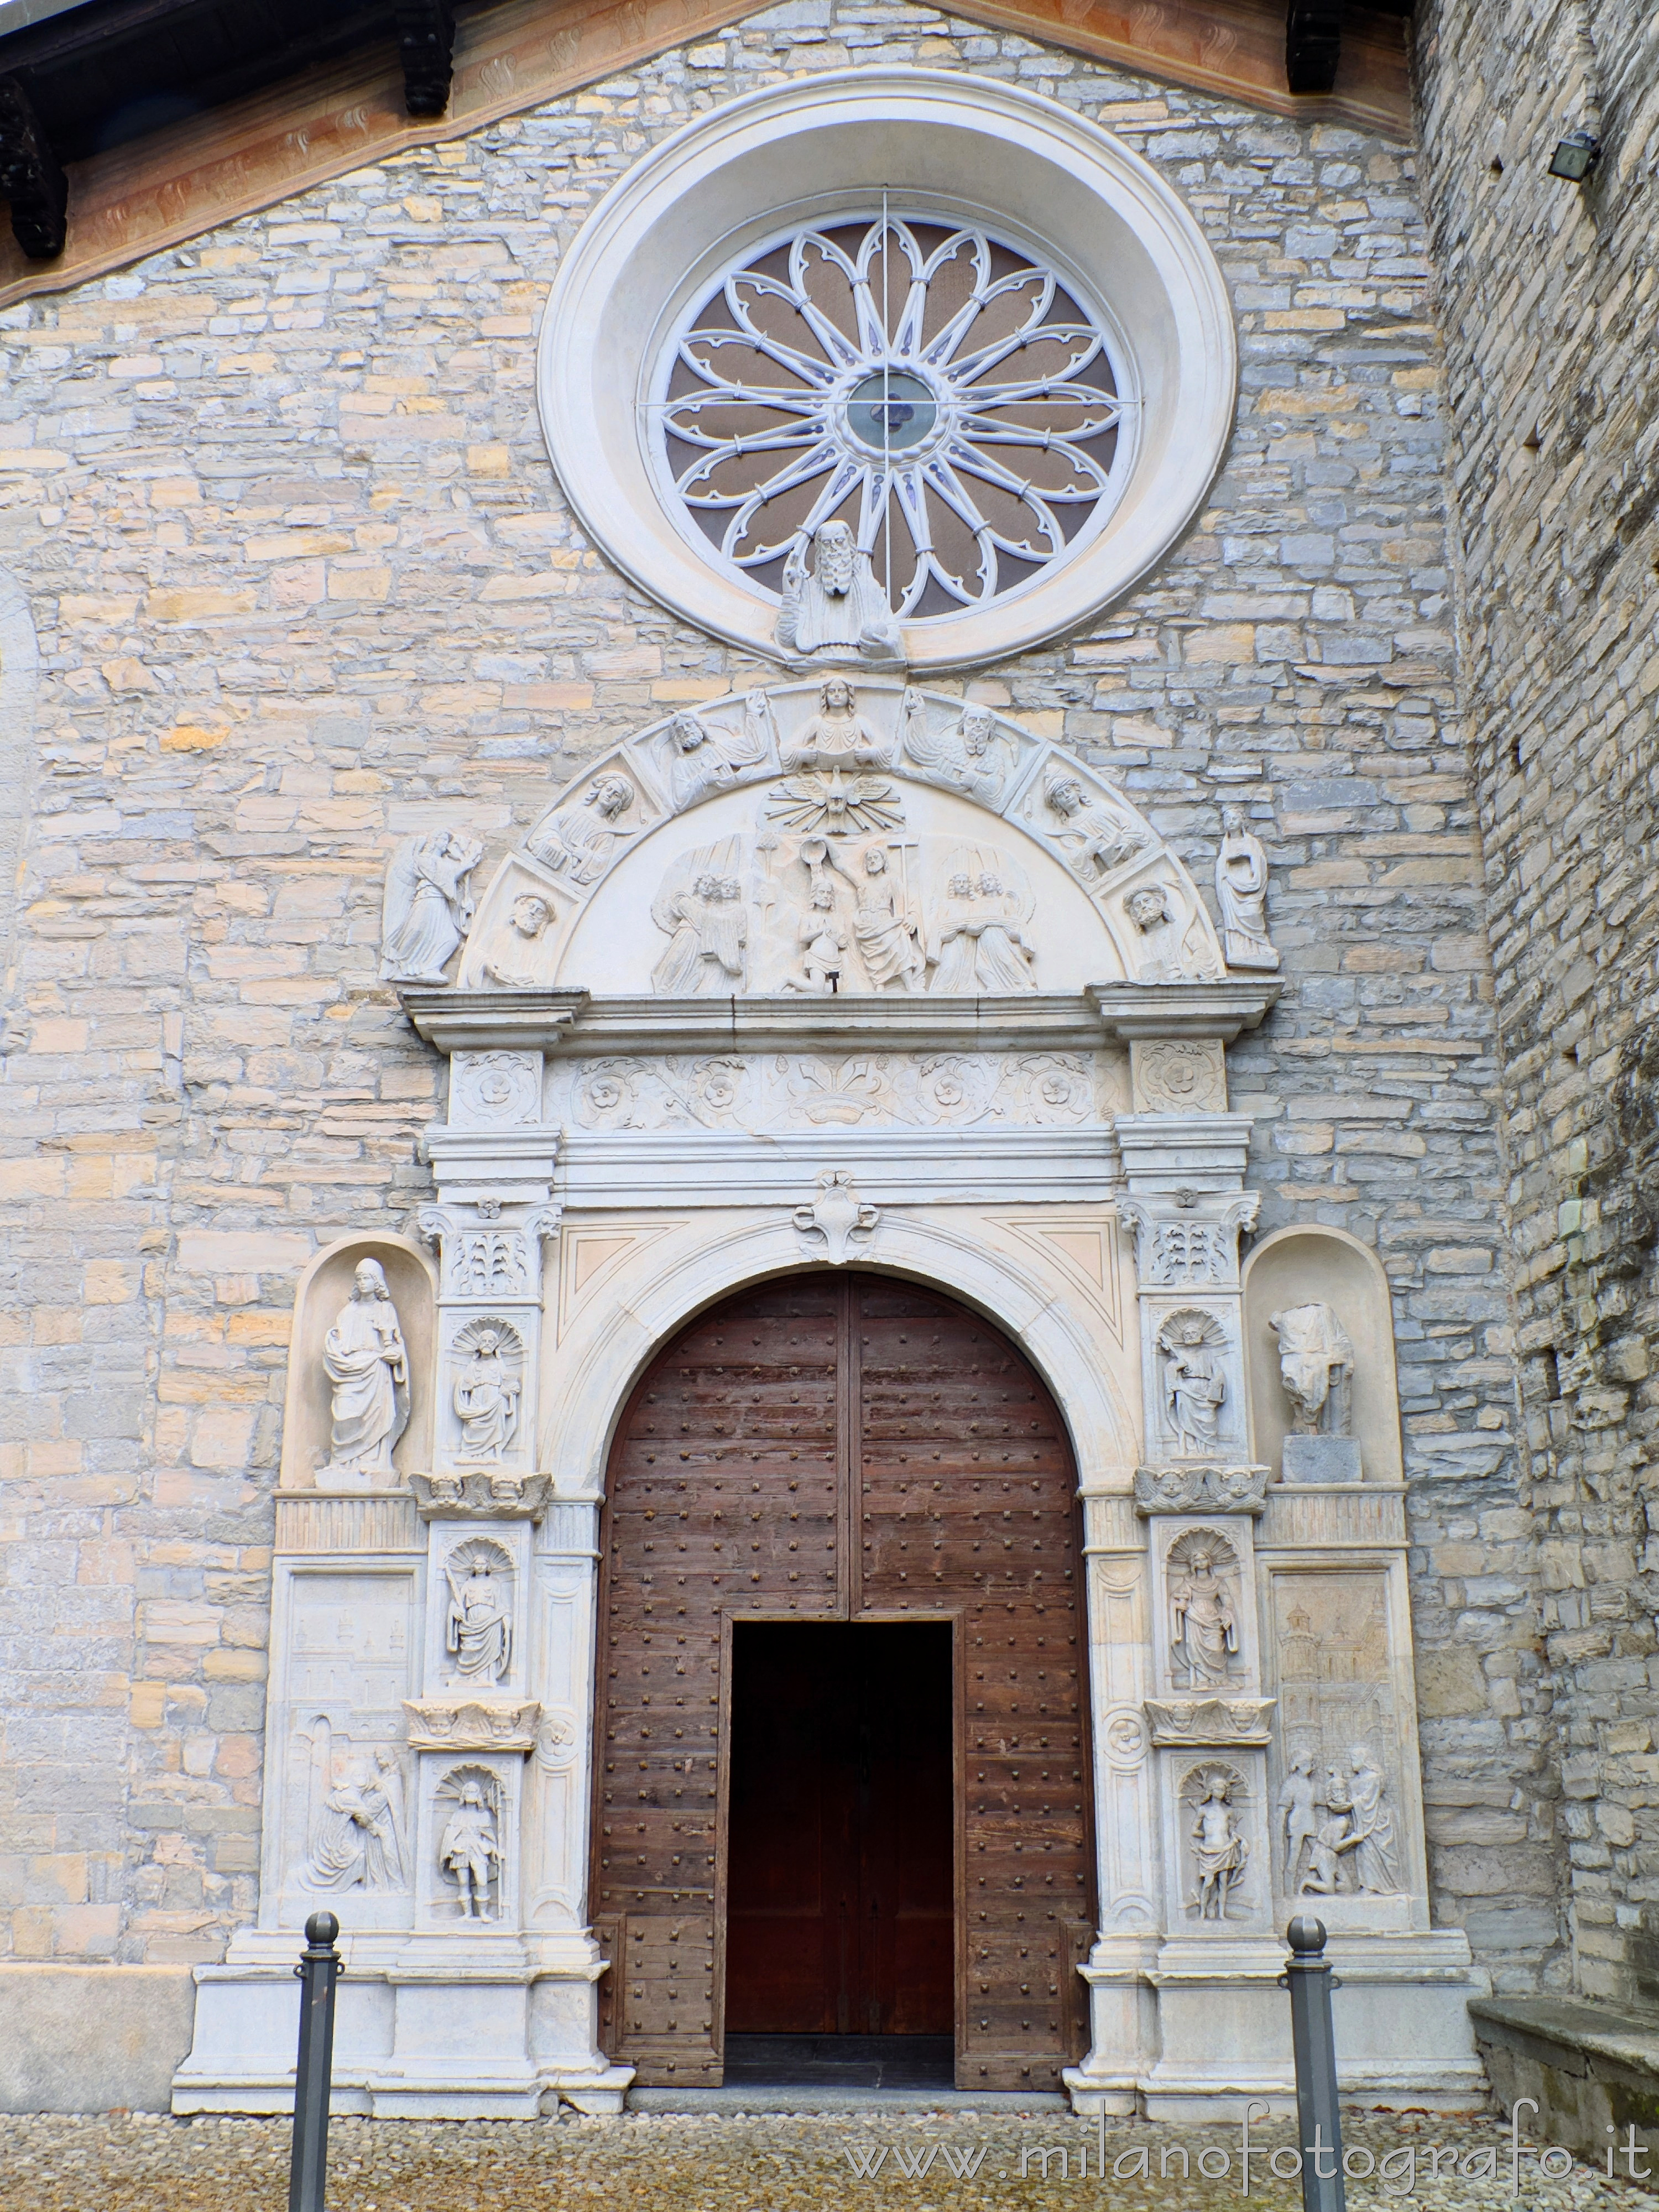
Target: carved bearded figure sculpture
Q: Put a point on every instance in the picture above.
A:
(367, 1365)
(886, 936)
(1194, 1385)
(836, 610)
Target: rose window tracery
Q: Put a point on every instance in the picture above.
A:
(940, 391)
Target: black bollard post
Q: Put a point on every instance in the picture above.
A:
(318, 1971)
(1319, 2119)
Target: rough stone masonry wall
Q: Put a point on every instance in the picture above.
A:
(304, 583)
(1547, 297)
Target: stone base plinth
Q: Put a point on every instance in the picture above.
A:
(1322, 1459)
(482, 2046)
(1220, 2037)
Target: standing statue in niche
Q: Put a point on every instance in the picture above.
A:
(427, 907)
(1194, 1383)
(485, 1397)
(366, 1365)
(1241, 887)
(1220, 1851)
(1315, 1365)
(469, 1850)
(836, 610)
(478, 1627)
(1204, 1629)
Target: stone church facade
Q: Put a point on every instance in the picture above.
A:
(471, 932)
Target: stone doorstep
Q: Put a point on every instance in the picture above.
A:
(1574, 2036)
(1590, 2070)
(995, 2102)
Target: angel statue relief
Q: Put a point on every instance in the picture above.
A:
(368, 1369)
(427, 907)
(836, 610)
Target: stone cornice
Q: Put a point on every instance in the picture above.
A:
(173, 184)
(547, 1020)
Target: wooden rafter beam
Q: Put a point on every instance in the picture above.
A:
(31, 177)
(1313, 45)
(426, 46)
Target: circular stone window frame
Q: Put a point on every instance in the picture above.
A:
(980, 153)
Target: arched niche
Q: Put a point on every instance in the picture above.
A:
(323, 1290)
(1302, 1265)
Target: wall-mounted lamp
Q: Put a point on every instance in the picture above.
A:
(1576, 157)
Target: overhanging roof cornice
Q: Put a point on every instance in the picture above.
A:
(232, 158)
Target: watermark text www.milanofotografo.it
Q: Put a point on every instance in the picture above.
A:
(1397, 2171)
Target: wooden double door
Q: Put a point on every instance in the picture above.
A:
(841, 1762)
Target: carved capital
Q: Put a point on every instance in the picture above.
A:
(1186, 1239)
(1189, 1721)
(1201, 1487)
(473, 1723)
(491, 1497)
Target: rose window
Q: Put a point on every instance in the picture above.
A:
(940, 393)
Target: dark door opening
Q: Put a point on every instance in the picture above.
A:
(840, 1891)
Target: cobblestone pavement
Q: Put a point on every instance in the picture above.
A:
(925, 2162)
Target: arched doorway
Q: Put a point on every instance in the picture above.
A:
(837, 1446)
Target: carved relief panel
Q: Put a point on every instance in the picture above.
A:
(341, 1779)
(762, 1091)
(1345, 1801)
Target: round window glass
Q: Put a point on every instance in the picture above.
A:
(940, 391)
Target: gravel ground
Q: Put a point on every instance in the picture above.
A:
(660, 2162)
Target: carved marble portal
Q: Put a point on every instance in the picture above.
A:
(835, 973)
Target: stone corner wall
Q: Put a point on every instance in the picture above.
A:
(1546, 299)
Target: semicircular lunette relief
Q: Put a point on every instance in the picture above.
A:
(839, 838)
